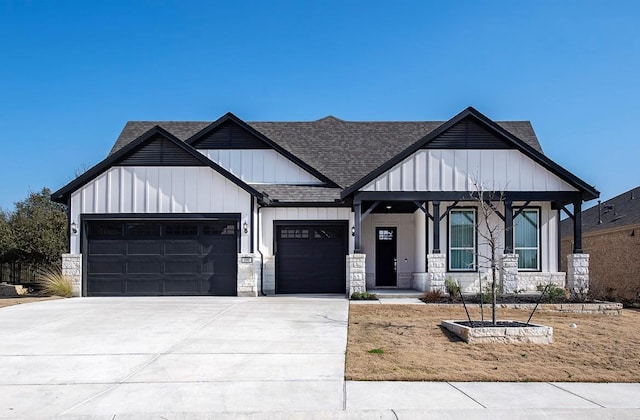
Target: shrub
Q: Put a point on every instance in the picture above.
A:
(54, 283)
(431, 295)
(363, 296)
(554, 293)
(452, 287)
(485, 296)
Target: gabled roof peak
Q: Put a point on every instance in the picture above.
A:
(330, 118)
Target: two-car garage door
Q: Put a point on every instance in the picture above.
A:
(161, 257)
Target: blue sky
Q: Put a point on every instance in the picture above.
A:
(73, 72)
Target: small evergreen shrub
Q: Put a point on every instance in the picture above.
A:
(363, 296)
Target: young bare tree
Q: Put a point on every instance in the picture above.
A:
(490, 231)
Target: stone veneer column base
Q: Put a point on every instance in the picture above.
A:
(248, 272)
(437, 271)
(356, 274)
(509, 273)
(578, 274)
(72, 268)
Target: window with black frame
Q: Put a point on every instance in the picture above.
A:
(526, 239)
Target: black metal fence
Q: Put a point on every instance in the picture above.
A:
(15, 272)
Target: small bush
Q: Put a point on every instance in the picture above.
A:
(54, 283)
(556, 294)
(452, 287)
(553, 293)
(376, 351)
(486, 296)
(363, 296)
(432, 296)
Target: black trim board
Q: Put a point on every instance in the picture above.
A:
(588, 191)
(559, 196)
(154, 133)
(229, 117)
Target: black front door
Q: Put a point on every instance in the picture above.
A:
(386, 256)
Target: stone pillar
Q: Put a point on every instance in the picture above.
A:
(356, 274)
(72, 268)
(437, 271)
(578, 274)
(509, 273)
(248, 272)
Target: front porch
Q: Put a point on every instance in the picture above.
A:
(403, 242)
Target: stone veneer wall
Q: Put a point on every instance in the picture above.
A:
(72, 268)
(437, 270)
(356, 274)
(578, 274)
(248, 273)
(509, 273)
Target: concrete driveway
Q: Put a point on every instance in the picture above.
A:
(103, 356)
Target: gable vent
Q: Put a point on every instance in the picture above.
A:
(230, 136)
(468, 134)
(160, 152)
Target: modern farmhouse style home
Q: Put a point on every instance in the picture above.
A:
(329, 206)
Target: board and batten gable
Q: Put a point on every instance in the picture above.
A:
(166, 189)
(458, 169)
(261, 166)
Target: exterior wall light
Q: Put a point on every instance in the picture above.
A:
(245, 227)
(74, 228)
(353, 231)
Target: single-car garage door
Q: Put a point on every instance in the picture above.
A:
(310, 258)
(154, 258)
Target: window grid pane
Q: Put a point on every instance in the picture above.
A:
(462, 240)
(526, 239)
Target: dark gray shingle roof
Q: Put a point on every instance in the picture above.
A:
(299, 193)
(344, 151)
(625, 211)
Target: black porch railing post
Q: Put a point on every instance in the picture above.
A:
(436, 227)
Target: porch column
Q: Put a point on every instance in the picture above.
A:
(508, 227)
(577, 227)
(357, 216)
(436, 227)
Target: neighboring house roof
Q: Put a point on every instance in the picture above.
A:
(344, 151)
(617, 212)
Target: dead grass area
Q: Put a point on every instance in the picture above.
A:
(18, 300)
(412, 347)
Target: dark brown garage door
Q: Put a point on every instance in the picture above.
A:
(155, 258)
(310, 258)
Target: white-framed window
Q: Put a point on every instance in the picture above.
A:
(462, 240)
(526, 239)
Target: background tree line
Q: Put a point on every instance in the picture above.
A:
(33, 235)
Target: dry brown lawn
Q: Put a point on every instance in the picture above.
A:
(18, 300)
(414, 348)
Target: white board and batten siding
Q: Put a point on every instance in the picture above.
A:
(261, 166)
(160, 190)
(456, 170)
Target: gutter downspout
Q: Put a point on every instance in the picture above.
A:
(261, 255)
